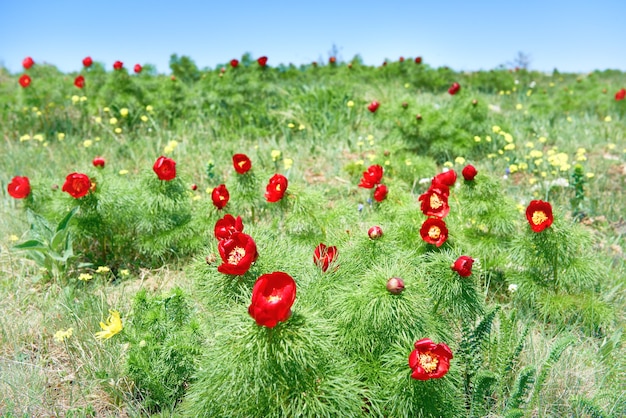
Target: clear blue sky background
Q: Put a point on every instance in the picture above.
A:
(573, 36)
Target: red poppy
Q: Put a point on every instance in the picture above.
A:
(25, 80)
(447, 178)
(234, 63)
(276, 188)
(137, 68)
(429, 360)
(220, 196)
(375, 232)
(117, 65)
(262, 61)
(539, 215)
(238, 253)
(418, 60)
(27, 63)
(242, 163)
(373, 107)
(273, 295)
(371, 177)
(87, 61)
(77, 185)
(620, 95)
(323, 256)
(454, 88)
(469, 172)
(434, 231)
(227, 226)
(380, 193)
(435, 201)
(463, 265)
(79, 81)
(98, 162)
(19, 187)
(165, 168)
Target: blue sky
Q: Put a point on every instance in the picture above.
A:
(573, 36)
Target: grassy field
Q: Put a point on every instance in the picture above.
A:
(536, 329)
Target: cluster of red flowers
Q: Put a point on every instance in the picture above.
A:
(372, 179)
(237, 250)
(435, 206)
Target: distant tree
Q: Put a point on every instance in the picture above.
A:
(184, 68)
(522, 61)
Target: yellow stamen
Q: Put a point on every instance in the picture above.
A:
(278, 187)
(235, 256)
(539, 217)
(428, 361)
(435, 202)
(434, 232)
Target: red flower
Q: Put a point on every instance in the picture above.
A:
(25, 80)
(435, 201)
(375, 232)
(137, 68)
(262, 61)
(418, 60)
(463, 265)
(19, 187)
(117, 65)
(401, 59)
(539, 215)
(454, 88)
(429, 360)
(323, 256)
(620, 95)
(434, 231)
(227, 226)
(395, 285)
(87, 61)
(446, 178)
(380, 193)
(273, 295)
(276, 188)
(98, 162)
(165, 168)
(332, 60)
(242, 163)
(238, 253)
(77, 185)
(234, 63)
(220, 196)
(79, 81)
(373, 107)
(27, 63)
(371, 177)
(469, 172)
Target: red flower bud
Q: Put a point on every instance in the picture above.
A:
(375, 232)
(373, 107)
(27, 63)
(220, 196)
(469, 172)
(395, 285)
(87, 62)
(98, 162)
(19, 187)
(454, 89)
(463, 266)
(165, 168)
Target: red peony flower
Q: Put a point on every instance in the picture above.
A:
(273, 295)
(401, 59)
(447, 178)
(418, 60)
(25, 80)
(79, 81)
(137, 68)
(238, 253)
(539, 215)
(380, 193)
(469, 172)
(323, 256)
(454, 88)
(77, 185)
(118, 65)
(227, 226)
(165, 168)
(332, 60)
(435, 201)
(19, 187)
(242, 163)
(98, 162)
(429, 360)
(620, 95)
(276, 188)
(463, 265)
(371, 177)
(220, 196)
(434, 231)
(87, 61)
(234, 63)
(375, 232)
(262, 61)
(27, 63)
(373, 107)
(395, 285)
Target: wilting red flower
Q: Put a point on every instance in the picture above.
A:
(234, 63)
(375, 232)
(371, 177)
(79, 81)
(447, 178)
(77, 185)
(463, 265)
(323, 256)
(227, 226)
(373, 107)
(242, 163)
(380, 193)
(273, 295)
(435, 201)
(262, 61)
(238, 253)
(25, 80)
(276, 188)
(165, 168)
(87, 61)
(434, 231)
(469, 172)
(19, 187)
(98, 162)
(418, 60)
(454, 88)
(220, 196)
(620, 95)
(27, 63)
(117, 65)
(137, 68)
(539, 215)
(429, 360)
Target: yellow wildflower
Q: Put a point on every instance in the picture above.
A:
(287, 162)
(103, 269)
(530, 145)
(13, 237)
(371, 156)
(75, 99)
(542, 139)
(124, 112)
(38, 137)
(124, 272)
(113, 121)
(301, 127)
(291, 125)
(83, 98)
(85, 277)
(87, 143)
(476, 138)
(459, 160)
(106, 110)
(97, 119)
(488, 138)
(61, 335)
(112, 326)
(118, 130)
(123, 172)
(360, 162)
(25, 137)
(508, 137)
(513, 168)
(509, 147)
(407, 85)
(408, 162)
(609, 146)
(60, 136)
(448, 164)
(350, 103)
(519, 106)
(149, 108)
(144, 118)
(275, 154)
(590, 175)
(496, 129)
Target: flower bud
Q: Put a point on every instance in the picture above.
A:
(375, 232)
(395, 285)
